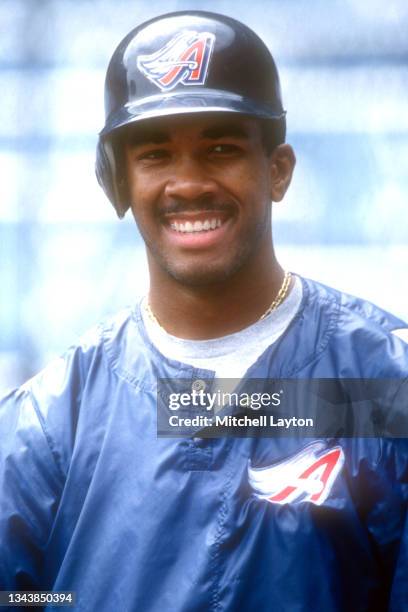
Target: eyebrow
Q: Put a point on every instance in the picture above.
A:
(143, 136)
(233, 130)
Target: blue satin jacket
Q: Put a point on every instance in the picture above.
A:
(91, 500)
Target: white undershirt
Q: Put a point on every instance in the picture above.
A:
(229, 356)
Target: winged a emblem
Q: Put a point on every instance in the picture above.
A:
(184, 59)
(307, 476)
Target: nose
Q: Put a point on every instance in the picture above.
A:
(189, 181)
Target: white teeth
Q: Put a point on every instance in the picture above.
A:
(197, 226)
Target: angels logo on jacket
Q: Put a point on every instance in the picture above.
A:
(307, 476)
(184, 59)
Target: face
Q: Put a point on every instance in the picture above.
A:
(201, 189)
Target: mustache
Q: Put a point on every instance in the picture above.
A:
(200, 205)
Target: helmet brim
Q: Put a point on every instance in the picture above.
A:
(179, 103)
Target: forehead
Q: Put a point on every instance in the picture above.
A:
(202, 125)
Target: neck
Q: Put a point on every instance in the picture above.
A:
(219, 309)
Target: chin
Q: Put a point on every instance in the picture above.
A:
(199, 278)
(201, 271)
(201, 275)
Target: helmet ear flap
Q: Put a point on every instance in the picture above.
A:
(107, 176)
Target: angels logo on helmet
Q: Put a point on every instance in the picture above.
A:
(184, 59)
(308, 476)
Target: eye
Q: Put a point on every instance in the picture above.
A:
(152, 155)
(225, 149)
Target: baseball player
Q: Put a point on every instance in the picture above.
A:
(92, 500)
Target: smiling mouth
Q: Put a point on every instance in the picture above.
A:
(191, 227)
(197, 220)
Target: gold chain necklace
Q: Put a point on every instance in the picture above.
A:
(282, 293)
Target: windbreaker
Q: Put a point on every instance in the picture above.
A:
(92, 501)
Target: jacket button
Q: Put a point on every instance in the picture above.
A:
(198, 385)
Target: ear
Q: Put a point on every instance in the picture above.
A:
(282, 164)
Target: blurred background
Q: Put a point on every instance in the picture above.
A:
(65, 259)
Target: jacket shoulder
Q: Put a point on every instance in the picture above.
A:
(361, 339)
(52, 399)
(353, 306)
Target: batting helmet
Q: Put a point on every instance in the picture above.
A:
(184, 62)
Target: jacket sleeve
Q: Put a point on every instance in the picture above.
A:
(38, 425)
(30, 486)
(399, 591)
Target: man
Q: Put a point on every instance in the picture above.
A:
(91, 499)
